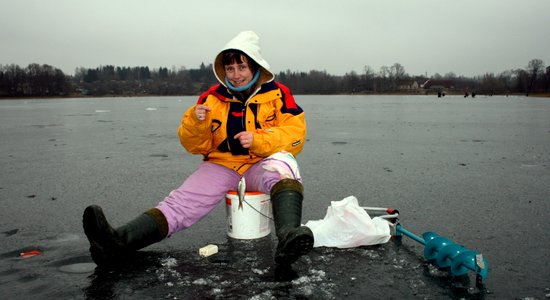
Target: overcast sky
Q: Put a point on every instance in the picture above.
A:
(467, 37)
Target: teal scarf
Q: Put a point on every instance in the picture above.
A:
(246, 87)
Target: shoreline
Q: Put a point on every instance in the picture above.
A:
(78, 96)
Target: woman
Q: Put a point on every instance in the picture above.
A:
(247, 126)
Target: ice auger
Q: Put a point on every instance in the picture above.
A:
(439, 250)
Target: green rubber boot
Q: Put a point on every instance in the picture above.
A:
(108, 245)
(294, 240)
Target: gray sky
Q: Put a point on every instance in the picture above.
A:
(467, 37)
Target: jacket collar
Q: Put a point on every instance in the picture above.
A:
(221, 92)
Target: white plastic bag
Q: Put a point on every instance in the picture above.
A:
(348, 225)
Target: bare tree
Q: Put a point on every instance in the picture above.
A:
(534, 68)
(369, 78)
(383, 75)
(397, 72)
(450, 76)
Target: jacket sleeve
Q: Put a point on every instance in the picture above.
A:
(195, 136)
(290, 132)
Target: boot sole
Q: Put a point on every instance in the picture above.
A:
(299, 243)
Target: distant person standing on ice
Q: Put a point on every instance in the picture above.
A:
(247, 126)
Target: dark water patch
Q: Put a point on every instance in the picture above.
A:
(104, 121)
(10, 232)
(7, 273)
(28, 277)
(79, 115)
(339, 143)
(473, 141)
(47, 125)
(159, 155)
(156, 135)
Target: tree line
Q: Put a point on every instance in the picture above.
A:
(44, 80)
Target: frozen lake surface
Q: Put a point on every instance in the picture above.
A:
(473, 170)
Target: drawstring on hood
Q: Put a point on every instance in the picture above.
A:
(249, 43)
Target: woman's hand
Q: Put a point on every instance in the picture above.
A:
(201, 111)
(246, 138)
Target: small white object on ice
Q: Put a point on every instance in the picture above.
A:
(208, 250)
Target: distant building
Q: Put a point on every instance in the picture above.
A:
(408, 85)
(433, 85)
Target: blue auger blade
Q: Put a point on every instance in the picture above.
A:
(429, 235)
(469, 261)
(447, 254)
(434, 246)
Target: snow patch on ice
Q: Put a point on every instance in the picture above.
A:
(259, 272)
(200, 281)
(166, 273)
(262, 296)
(169, 262)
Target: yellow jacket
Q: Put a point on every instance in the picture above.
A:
(273, 116)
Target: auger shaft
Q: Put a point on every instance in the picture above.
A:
(400, 230)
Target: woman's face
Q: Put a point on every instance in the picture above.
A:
(239, 74)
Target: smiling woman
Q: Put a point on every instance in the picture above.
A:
(240, 126)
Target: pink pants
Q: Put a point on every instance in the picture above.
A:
(201, 192)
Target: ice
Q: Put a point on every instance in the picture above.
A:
(169, 262)
(66, 237)
(217, 291)
(200, 281)
(262, 296)
(167, 272)
(314, 276)
(78, 268)
(371, 254)
(398, 263)
(436, 272)
(313, 284)
(259, 272)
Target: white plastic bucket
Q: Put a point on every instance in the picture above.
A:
(252, 220)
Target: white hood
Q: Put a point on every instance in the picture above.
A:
(249, 43)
